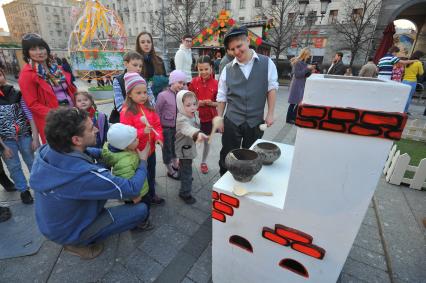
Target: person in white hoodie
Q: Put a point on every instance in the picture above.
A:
(183, 57)
(187, 134)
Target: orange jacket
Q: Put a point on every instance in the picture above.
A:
(39, 95)
(128, 118)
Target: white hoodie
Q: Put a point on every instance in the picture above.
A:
(183, 61)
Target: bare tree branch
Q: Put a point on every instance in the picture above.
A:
(185, 17)
(283, 29)
(357, 26)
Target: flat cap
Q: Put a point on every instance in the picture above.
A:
(233, 32)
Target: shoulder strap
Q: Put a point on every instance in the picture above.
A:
(101, 124)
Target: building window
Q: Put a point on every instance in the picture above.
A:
(227, 4)
(242, 4)
(291, 17)
(274, 2)
(47, 9)
(258, 3)
(357, 14)
(332, 17)
(214, 3)
(241, 19)
(202, 4)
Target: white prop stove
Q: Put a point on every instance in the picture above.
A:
(321, 187)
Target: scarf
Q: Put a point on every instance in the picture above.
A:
(54, 77)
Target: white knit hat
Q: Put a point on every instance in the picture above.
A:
(121, 136)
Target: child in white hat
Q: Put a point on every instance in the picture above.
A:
(120, 153)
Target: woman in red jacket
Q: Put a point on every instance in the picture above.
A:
(44, 85)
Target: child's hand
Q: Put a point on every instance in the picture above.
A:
(208, 102)
(201, 137)
(147, 129)
(143, 155)
(7, 153)
(137, 199)
(160, 143)
(201, 102)
(35, 144)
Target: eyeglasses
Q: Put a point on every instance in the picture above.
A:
(29, 36)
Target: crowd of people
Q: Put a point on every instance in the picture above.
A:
(90, 158)
(389, 67)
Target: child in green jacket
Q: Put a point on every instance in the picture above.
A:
(120, 154)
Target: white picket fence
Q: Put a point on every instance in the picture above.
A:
(396, 165)
(415, 130)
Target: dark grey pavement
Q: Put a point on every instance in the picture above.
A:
(390, 246)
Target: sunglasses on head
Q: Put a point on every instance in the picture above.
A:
(29, 36)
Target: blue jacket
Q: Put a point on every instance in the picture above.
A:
(71, 191)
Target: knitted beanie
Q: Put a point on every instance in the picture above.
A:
(177, 76)
(131, 80)
(121, 136)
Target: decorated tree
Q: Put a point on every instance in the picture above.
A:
(214, 33)
(97, 41)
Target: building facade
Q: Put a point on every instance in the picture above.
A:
(49, 18)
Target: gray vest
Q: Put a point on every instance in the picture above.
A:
(246, 97)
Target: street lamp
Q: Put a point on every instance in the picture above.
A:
(312, 16)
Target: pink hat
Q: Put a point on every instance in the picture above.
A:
(177, 76)
(131, 80)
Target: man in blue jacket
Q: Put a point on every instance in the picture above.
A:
(71, 188)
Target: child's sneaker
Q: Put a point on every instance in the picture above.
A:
(204, 168)
(188, 199)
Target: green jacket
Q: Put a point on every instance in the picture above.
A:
(124, 164)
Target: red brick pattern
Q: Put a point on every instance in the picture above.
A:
(387, 125)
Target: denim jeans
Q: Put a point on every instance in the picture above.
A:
(22, 146)
(185, 172)
(169, 145)
(412, 91)
(125, 217)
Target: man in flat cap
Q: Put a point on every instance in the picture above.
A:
(245, 85)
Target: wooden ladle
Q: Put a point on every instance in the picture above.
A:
(240, 191)
(217, 121)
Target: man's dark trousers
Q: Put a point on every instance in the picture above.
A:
(234, 137)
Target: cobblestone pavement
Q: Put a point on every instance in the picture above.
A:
(390, 246)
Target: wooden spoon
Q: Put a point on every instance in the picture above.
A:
(217, 121)
(240, 191)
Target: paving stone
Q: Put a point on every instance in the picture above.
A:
(203, 204)
(69, 267)
(184, 225)
(367, 239)
(201, 272)
(164, 244)
(198, 242)
(404, 240)
(368, 257)
(187, 280)
(193, 213)
(142, 266)
(36, 267)
(365, 272)
(370, 218)
(119, 274)
(346, 278)
(176, 270)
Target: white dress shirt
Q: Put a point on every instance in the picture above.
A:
(246, 69)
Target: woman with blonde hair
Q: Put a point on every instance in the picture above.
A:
(300, 70)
